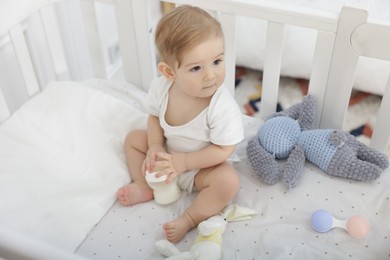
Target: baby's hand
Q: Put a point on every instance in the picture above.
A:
(173, 165)
(151, 157)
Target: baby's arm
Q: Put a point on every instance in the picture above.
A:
(209, 156)
(155, 143)
(177, 163)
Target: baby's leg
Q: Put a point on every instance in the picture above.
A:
(217, 186)
(138, 191)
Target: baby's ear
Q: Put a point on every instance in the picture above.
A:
(166, 70)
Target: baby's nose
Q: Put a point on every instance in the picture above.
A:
(209, 75)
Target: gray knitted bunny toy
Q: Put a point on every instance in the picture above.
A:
(289, 135)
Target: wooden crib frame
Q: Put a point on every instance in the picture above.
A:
(342, 38)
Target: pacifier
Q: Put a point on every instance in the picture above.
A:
(356, 226)
(164, 193)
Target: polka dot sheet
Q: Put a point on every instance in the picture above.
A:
(280, 230)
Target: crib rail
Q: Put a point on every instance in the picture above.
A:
(135, 40)
(134, 26)
(135, 34)
(31, 70)
(356, 37)
(138, 53)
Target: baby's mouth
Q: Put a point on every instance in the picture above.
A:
(208, 87)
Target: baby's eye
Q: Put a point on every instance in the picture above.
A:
(217, 62)
(196, 68)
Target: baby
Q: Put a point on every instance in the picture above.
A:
(194, 122)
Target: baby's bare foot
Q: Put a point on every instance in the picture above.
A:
(134, 193)
(178, 228)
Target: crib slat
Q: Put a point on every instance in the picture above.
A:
(136, 42)
(4, 111)
(381, 135)
(93, 38)
(228, 26)
(127, 42)
(54, 40)
(344, 58)
(271, 72)
(145, 41)
(320, 70)
(24, 60)
(372, 40)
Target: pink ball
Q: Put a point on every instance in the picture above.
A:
(358, 226)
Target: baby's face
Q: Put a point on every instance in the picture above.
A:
(202, 69)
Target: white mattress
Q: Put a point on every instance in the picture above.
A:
(72, 202)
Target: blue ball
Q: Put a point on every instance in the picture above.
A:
(321, 220)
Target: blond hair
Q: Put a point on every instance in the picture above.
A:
(183, 28)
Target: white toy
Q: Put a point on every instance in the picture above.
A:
(208, 243)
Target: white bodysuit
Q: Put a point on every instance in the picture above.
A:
(220, 123)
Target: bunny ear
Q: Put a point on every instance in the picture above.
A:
(237, 213)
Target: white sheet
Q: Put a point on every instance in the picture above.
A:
(299, 44)
(62, 160)
(281, 230)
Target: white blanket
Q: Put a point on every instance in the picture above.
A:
(61, 161)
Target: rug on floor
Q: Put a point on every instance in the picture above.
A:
(361, 114)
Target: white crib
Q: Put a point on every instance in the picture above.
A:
(61, 158)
